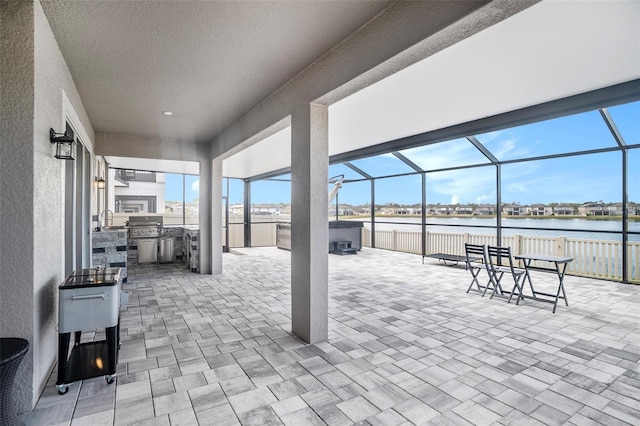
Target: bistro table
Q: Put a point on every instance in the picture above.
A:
(560, 263)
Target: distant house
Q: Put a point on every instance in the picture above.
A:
(563, 210)
(236, 209)
(464, 210)
(614, 210)
(486, 210)
(593, 209)
(514, 210)
(408, 210)
(266, 209)
(443, 210)
(539, 210)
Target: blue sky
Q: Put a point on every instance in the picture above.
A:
(174, 185)
(577, 179)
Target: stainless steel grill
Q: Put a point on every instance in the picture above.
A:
(145, 226)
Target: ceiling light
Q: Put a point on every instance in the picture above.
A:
(167, 113)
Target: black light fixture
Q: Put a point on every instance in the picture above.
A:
(100, 183)
(64, 147)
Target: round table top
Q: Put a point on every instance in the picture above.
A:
(12, 348)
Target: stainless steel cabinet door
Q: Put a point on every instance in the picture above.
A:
(148, 250)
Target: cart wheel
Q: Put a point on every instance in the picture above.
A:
(110, 378)
(62, 389)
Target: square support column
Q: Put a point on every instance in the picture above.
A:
(309, 223)
(205, 216)
(216, 217)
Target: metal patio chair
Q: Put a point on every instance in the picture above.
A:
(476, 261)
(501, 263)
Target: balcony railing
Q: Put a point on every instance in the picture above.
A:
(135, 175)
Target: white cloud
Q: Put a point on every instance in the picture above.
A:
(464, 185)
(455, 200)
(195, 186)
(486, 198)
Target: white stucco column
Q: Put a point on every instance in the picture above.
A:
(216, 217)
(309, 229)
(205, 215)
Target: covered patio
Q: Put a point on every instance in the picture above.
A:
(406, 345)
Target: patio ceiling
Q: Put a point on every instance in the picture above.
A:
(209, 62)
(549, 51)
(526, 60)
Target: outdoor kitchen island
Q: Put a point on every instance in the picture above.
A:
(114, 248)
(186, 246)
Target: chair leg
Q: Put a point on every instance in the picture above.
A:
(496, 284)
(492, 278)
(474, 280)
(517, 285)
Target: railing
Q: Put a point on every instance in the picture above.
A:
(120, 219)
(592, 258)
(135, 175)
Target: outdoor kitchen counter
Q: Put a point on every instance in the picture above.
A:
(109, 250)
(192, 247)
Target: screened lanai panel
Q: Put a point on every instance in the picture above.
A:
(398, 207)
(443, 155)
(463, 193)
(589, 184)
(236, 191)
(341, 169)
(574, 133)
(633, 245)
(382, 165)
(627, 118)
(355, 194)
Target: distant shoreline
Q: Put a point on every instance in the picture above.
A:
(458, 216)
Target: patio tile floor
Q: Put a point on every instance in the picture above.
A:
(407, 345)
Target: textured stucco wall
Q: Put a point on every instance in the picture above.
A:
(16, 184)
(34, 77)
(52, 77)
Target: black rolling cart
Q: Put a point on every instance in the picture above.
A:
(89, 300)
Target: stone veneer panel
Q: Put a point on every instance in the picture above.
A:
(110, 250)
(192, 249)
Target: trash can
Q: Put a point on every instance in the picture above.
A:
(12, 351)
(167, 250)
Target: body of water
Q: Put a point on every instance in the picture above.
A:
(570, 228)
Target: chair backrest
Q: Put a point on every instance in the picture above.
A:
(498, 256)
(475, 252)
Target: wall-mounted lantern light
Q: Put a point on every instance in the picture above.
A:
(64, 144)
(100, 183)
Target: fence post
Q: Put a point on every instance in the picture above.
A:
(426, 244)
(465, 240)
(393, 240)
(517, 243)
(561, 243)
